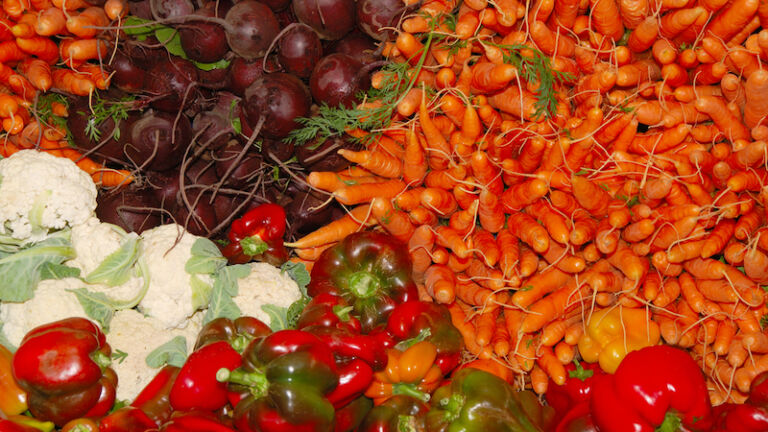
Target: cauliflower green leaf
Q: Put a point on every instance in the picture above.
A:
(117, 267)
(173, 352)
(96, 305)
(58, 271)
(224, 288)
(206, 258)
(22, 271)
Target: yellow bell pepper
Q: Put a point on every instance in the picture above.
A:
(611, 333)
(13, 400)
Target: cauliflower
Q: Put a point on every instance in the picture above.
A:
(265, 284)
(93, 242)
(136, 335)
(52, 302)
(41, 192)
(173, 295)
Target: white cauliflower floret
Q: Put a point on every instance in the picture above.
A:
(41, 192)
(137, 336)
(166, 250)
(265, 284)
(52, 302)
(93, 242)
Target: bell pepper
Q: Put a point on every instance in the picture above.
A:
(83, 424)
(154, 398)
(13, 400)
(612, 333)
(371, 271)
(396, 414)
(328, 310)
(127, 419)
(354, 378)
(257, 234)
(476, 400)
(350, 416)
(288, 374)
(577, 419)
(346, 343)
(758, 391)
(20, 423)
(61, 366)
(431, 322)
(196, 387)
(577, 388)
(238, 332)
(194, 422)
(654, 387)
(412, 372)
(751, 416)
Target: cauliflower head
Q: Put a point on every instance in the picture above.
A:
(173, 296)
(136, 336)
(52, 302)
(93, 242)
(40, 192)
(266, 284)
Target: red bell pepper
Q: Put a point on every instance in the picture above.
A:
(194, 422)
(127, 419)
(257, 234)
(154, 399)
(328, 310)
(196, 387)
(751, 416)
(656, 386)
(354, 379)
(348, 344)
(61, 365)
(577, 419)
(238, 332)
(576, 390)
(430, 322)
(350, 416)
(758, 391)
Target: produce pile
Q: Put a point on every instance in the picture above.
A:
(573, 180)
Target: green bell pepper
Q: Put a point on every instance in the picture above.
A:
(476, 400)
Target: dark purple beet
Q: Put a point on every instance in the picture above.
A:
(109, 147)
(332, 19)
(308, 211)
(247, 169)
(299, 49)
(172, 8)
(337, 79)
(202, 41)
(278, 98)
(127, 75)
(243, 73)
(275, 148)
(133, 210)
(214, 78)
(202, 219)
(154, 144)
(165, 186)
(219, 7)
(251, 27)
(169, 82)
(322, 156)
(374, 15)
(213, 126)
(357, 45)
(144, 54)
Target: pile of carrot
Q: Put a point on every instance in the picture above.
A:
(644, 186)
(53, 45)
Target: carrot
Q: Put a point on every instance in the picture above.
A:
(733, 18)
(363, 193)
(450, 238)
(75, 51)
(590, 196)
(111, 177)
(538, 286)
(83, 25)
(551, 365)
(553, 221)
(550, 42)
(439, 200)
(643, 36)
(488, 77)
(522, 194)
(377, 162)
(675, 22)
(488, 277)
(440, 282)
(755, 107)
(509, 101)
(72, 82)
(438, 149)
(486, 173)
(633, 266)
(38, 72)
(606, 18)
(715, 107)
(116, 9)
(356, 219)
(528, 230)
(394, 221)
(419, 246)
(414, 164)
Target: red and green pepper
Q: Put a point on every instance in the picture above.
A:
(257, 234)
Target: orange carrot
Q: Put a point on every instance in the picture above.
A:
(377, 162)
(440, 282)
(357, 219)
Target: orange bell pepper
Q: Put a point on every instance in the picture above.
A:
(412, 372)
(13, 400)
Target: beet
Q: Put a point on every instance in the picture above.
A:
(134, 210)
(243, 73)
(251, 27)
(106, 146)
(374, 15)
(127, 75)
(322, 155)
(169, 81)
(299, 49)
(331, 19)
(203, 42)
(278, 99)
(337, 79)
(247, 168)
(213, 126)
(171, 8)
(202, 219)
(154, 144)
(308, 211)
(357, 45)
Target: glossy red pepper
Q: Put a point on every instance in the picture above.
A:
(61, 365)
(238, 332)
(354, 379)
(127, 419)
(758, 391)
(154, 399)
(194, 422)
(196, 387)
(257, 234)
(11, 426)
(751, 416)
(349, 417)
(577, 419)
(348, 344)
(656, 386)
(577, 388)
(431, 322)
(328, 310)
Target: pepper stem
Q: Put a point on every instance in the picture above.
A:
(452, 406)
(580, 373)
(255, 381)
(409, 390)
(671, 423)
(363, 284)
(253, 245)
(101, 359)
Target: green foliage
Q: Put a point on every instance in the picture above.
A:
(173, 352)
